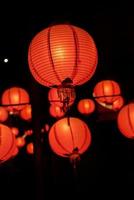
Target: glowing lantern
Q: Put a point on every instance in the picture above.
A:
(30, 148)
(15, 131)
(62, 55)
(125, 121)
(28, 132)
(7, 143)
(26, 113)
(13, 97)
(86, 106)
(106, 91)
(20, 142)
(62, 51)
(70, 137)
(3, 114)
(56, 111)
(55, 98)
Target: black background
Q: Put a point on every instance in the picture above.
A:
(107, 168)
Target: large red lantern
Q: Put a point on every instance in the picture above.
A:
(125, 121)
(86, 106)
(60, 52)
(7, 143)
(14, 96)
(70, 137)
(106, 91)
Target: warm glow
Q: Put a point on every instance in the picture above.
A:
(86, 106)
(20, 142)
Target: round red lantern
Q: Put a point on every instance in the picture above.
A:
(30, 148)
(20, 142)
(55, 98)
(7, 143)
(86, 106)
(69, 137)
(15, 131)
(125, 121)
(106, 91)
(14, 96)
(3, 114)
(60, 52)
(26, 113)
(56, 111)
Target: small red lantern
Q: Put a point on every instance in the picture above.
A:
(55, 98)
(15, 131)
(7, 143)
(106, 91)
(26, 113)
(86, 106)
(13, 97)
(3, 114)
(70, 137)
(20, 142)
(62, 51)
(56, 111)
(125, 121)
(30, 148)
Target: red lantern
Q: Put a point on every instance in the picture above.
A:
(60, 52)
(125, 121)
(56, 111)
(3, 114)
(20, 142)
(7, 143)
(13, 97)
(69, 137)
(86, 106)
(106, 91)
(15, 131)
(26, 113)
(30, 148)
(55, 98)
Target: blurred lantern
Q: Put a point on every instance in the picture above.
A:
(15, 131)
(45, 128)
(125, 121)
(86, 106)
(28, 132)
(106, 91)
(116, 105)
(14, 96)
(7, 143)
(70, 137)
(55, 98)
(20, 142)
(26, 113)
(30, 148)
(56, 111)
(3, 114)
(62, 55)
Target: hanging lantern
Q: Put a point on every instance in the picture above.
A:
(63, 56)
(56, 111)
(30, 148)
(86, 106)
(26, 113)
(15, 131)
(70, 137)
(55, 98)
(106, 91)
(7, 143)
(28, 132)
(20, 142)
(3, 114)
(14, 96)
(125, 121)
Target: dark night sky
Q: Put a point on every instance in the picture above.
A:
(108, 166)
